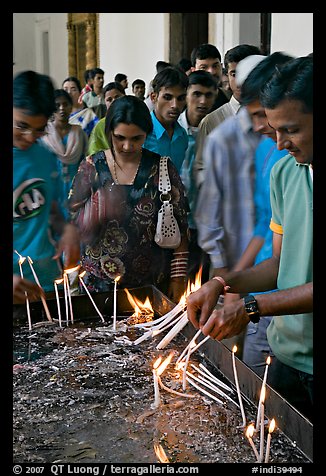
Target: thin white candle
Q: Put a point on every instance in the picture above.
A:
(69, 297)
(268, 361)
(262, 428)
(269, 437)
(47, 312)
(234, 349)
(174, 331)
(209, 384)
(56, 282)
(185, 350)
(204, 391)
(115, 303)
(89, 295)
(157, 397)
(249, 433)
(65, 288)
(20, 262)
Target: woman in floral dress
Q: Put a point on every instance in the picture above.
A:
(114, 200)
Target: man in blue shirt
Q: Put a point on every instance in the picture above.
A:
(34, 191)
(168, 137)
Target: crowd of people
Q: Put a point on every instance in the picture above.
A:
(240, 163)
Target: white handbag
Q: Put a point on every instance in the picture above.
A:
(167, 229)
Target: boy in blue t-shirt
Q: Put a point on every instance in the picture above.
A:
(34, 191)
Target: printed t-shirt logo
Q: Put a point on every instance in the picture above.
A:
(28, 199)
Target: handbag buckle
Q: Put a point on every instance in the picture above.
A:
(165, 197)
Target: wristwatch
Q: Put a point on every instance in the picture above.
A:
(251, 307)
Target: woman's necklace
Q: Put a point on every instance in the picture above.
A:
(116, 181)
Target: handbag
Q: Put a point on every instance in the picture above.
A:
(167, 229)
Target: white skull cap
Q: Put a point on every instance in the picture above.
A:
(245, 66)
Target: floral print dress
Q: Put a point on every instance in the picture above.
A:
(118, 222)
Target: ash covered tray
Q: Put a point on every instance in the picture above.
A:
(83, 393)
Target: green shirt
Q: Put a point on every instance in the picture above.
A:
(291, 337)
(98, 140)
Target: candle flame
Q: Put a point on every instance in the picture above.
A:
(117, 279)
(268, 360)
(58, 281)
(165, 363)
(250, 430)
(234, 349)
(160, 453)
(143, 311)
(271, 426)
(263, 393)
(192, 287)
(157, 362)
(30, 259)
(82, 274)
(179, 365)
(71, 270)
(21, 260)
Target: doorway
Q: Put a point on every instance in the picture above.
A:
(187, 30)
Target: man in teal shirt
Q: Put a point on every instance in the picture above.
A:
(288, 101)
(168, 137)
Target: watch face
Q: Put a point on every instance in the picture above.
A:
(251, 308)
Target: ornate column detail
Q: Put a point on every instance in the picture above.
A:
(91, 56)
(72, 63)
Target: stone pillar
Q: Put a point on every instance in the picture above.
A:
(91, 56)
(72, 60)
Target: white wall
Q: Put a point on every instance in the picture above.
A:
(131, 43)
(23, 41)
(292, 33)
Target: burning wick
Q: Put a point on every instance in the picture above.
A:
(234, 349)
(249, 433)
(157, 397)
(262, 426)
(80, 276)
(20, 262)
(56, 282)
(47, 312)
(160, 453)
(115, 303)
(269, 437)
(268, 361)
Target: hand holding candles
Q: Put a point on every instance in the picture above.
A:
(269, 436)
(234, 349)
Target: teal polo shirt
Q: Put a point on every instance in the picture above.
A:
(159, 141)
(291, 337)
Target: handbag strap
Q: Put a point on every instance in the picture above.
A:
(164, 184)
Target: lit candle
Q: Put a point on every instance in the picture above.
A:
(47, 312)
(20, 262)
(115, 303)
(262, 426)
(249, 433)
(66, 272)
(65, 288)
(234, 349)
(268, 361)
(56, 282)
(81, 275)
(269, 437)
(157, 397)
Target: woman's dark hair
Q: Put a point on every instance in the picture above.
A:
(128, 110)
(114, 85)
(58, 93)
(292, 81)
(34, 92)
(75, 80)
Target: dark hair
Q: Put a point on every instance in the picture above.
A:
(160, 65)
(292, 81)
(74, 80)
(120, 77)
(239, 52)
(184, 64)
(128, 110)
(204, 78)
(114, 85)
(62, 93)
(138, 81)
(204, 51)
(252, 86)
(95, 71)
(34, 92)
(87, 75)
(169, 77)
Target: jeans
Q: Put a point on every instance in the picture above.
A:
(255, 347)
